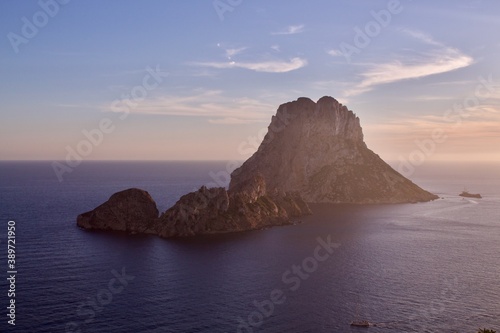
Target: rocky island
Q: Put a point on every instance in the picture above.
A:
(466, 194)
(313, 153)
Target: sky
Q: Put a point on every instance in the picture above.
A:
(200, 80)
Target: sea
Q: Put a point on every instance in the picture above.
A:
(425, 267)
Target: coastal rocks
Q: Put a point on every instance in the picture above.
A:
(466, 194)
(216, 210)
(195, 213)
(206, 211)
(131, 210)
(317, 149)
(312, 153)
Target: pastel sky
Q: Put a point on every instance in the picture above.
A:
(200, 80)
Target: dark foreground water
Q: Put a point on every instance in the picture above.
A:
(432, 267)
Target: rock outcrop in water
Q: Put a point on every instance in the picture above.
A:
(132, 210)
(313, 152)
(318, 150)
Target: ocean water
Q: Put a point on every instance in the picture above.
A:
(427, 267)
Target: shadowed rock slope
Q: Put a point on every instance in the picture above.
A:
(313, 152)
(132, 210)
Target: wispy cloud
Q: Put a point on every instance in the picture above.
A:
(440, 59)
(291, 30)
(431, 98)
(212, 105)
(335, 53)
(232, 52)
(264, 66)
(423, 37)
(276, 48)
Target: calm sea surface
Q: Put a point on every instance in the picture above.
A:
(430, 267)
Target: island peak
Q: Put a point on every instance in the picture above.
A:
(318, 150)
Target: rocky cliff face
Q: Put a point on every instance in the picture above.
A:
(317, 149)
(313, 152)
(216, 210)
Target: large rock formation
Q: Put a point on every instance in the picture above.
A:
(313, 152)
(318, 150)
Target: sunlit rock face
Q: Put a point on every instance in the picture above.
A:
(317, 149)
